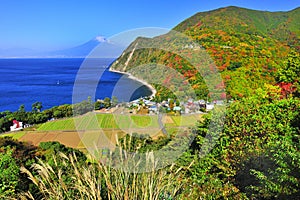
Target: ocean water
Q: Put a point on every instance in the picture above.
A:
(51, 81)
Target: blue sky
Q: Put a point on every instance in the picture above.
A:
(56, 24)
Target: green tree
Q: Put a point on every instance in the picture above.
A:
(24, 154)
(60, 111)
(5, 124)
(83, 107)
(171, 104)
(57, 114)
(114, 101)
(278, 171)
(50, 148)
(40, 118)
(9, 173)
(22, 108)
(290, 72)
(37, 106)
(177, 102)
(99, 105)
(141, 102)
(107, 102)
(21, 114)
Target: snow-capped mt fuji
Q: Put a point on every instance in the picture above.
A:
(100, 46)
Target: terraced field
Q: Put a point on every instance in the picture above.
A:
(103, 129)
(114, 121)
(186, 120)
(65, 124)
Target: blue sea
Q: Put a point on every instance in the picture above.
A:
(51, 81)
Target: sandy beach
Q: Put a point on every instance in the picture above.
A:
(136, 79)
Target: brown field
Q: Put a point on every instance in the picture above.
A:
(107, 131)
(82, 139)
(70, 139)
(167, 120)
(33, 137)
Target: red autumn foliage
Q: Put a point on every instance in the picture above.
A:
(167, 80)
(199, 24)
(240, 95)
(220, 85)
(223, 95)
(286, 89)
(227, 77)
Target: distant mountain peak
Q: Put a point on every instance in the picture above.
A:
(100, 38)
(104, 47)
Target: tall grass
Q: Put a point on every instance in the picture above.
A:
(53, 182)
(114, 179)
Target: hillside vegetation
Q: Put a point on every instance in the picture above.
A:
(247, 46)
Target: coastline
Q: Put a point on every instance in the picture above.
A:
(153, 90)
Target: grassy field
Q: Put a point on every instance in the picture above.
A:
(102, 129)
(186, 120)
(65, 124)
(110, 121)
(14, 135)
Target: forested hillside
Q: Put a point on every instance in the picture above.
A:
(247, 46)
